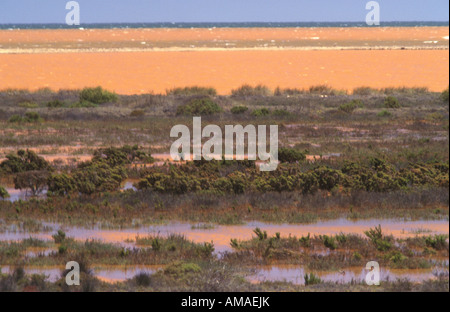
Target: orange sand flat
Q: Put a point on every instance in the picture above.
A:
(142, 72)
(243, 34)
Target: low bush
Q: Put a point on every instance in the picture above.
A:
(3, 193)
(199, 107)
(28, 105)
(261, 112)
(248, 90)
(137, 113)
(239, 110)
(289, 155)
(190, 91)
(350, 107)
(384, 113)
(55, 104)
(444, 95)
(98, 96)
(391, 102)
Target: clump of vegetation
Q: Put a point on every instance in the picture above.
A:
(248, 90)
(137, 113)
(59, 237)
(391, 102)
(350, 107)
(325, 90)
(55, 104)
(378, 239)
(305, 241)
(384, 113)
(312, 279)
(438, 242)
(24, 161)
(28, 105)
(98, 96)
(142, 279)
(190, 91)
(199, 107)
(281, 113)
(444, 95)
(288, 91)
(262, 235)
(261, 112)
(3, 193)
(15, 119)
(405, 90)
(364, 91)
(329, 242)
(239, 110)
(289, 155)
(30, 117)
(35, 181)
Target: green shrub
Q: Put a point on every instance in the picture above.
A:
(247, 90)
(61, 184)
(24, 161)
(55, 104)
(281, 113)
(312, 279)
(350, 107)
(143, 279)
(98, 96)
(32, 117)
(288, 91)
(28, 105)
(329, 242)
(384, 113)
(261, 112)
(305, 241)
(35, 181)
(289, 155)
(15, 118)
(195, 90)
(62, 249)
(438, 242)
(320, 89)
(234, 243)
(260, 234)
(199, 107)
(137, 113)
(364, 91)
(378, 239)
(391, 102)
(239, 110)
(59, 237)
(444, 95)
(156, 244)
(325, 90)
(179, 269)
(3, 192)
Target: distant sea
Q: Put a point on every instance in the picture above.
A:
(218, 25)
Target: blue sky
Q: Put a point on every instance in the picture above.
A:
(107, 11)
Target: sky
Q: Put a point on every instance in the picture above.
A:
(148, 11)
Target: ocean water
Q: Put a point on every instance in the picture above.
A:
(220, 25)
